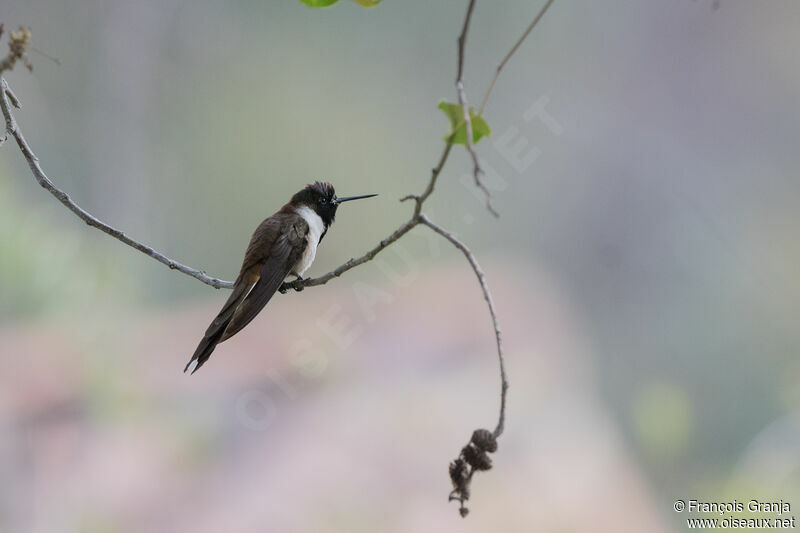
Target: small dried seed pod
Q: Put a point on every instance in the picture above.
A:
(477, 459)
(484, 440)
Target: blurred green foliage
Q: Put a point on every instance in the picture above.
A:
(49, 267)
(663, 419)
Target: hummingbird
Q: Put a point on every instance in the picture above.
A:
(283, 244)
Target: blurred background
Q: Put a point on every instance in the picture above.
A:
(644, 161)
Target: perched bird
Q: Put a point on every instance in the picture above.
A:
(283, 244)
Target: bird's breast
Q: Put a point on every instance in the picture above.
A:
(315, 230)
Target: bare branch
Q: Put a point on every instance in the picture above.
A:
(420, 198)
(352, 263)
(462, 100)
(33, 162)
(512, 52)
(13, 98)
(474, 456)
(487, 295)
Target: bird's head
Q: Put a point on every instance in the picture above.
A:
(321, 197)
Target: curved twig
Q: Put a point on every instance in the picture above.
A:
(474, 457)
(487, 295)
(33, 162)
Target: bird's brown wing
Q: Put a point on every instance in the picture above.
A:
(283, 255)
(265, 266)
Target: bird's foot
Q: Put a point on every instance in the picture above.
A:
(300, 287)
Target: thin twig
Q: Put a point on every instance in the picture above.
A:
(487, 295)
(420, 198)
(44, 54)
(13, 98)
(33, 162)
(474, 456)
(353, 262)
(512, 52)
(462, 100)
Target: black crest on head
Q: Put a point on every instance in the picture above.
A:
(320, 197)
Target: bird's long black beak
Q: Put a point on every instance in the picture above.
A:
(348, 198)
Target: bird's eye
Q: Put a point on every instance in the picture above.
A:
(323, 200)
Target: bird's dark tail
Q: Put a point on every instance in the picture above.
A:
(216, 331)
(205, 348)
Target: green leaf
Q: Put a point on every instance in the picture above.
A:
(458, 128)
(367, 3)
(319, 3)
